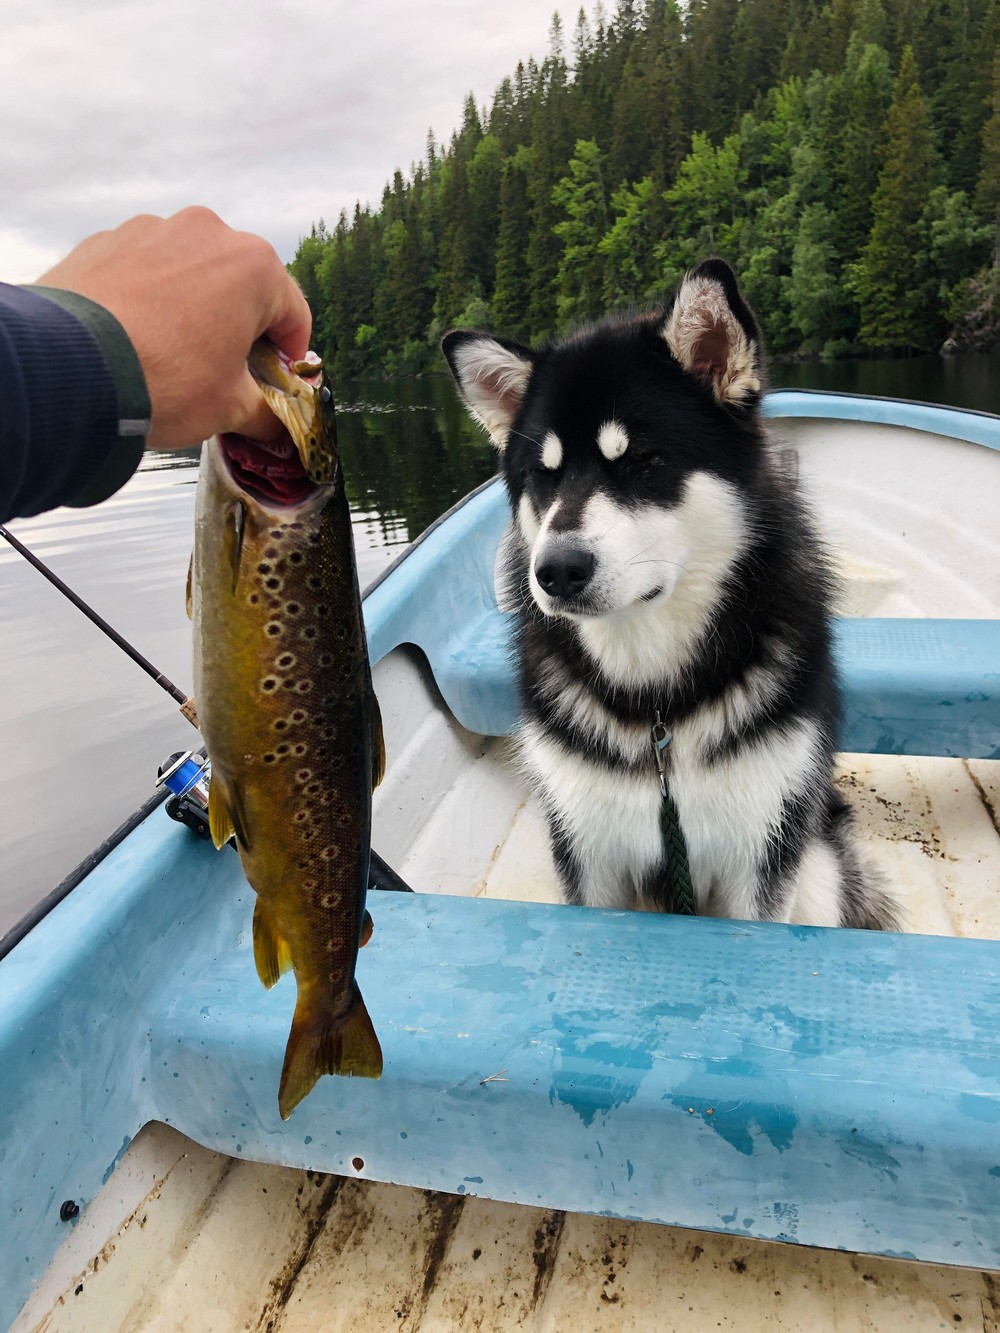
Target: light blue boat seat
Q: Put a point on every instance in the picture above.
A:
(927, 687)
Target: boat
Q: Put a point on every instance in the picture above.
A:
(587, 1118)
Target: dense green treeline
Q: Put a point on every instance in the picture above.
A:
(843, 155)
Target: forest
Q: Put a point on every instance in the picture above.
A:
(844, 156)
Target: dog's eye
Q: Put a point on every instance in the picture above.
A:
(641, 459)
(543, 476)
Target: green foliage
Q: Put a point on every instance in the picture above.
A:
(844, 155)
(580, 195)
(893, 305)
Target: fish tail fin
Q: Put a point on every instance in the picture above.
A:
(271, 953)
(318, 1046)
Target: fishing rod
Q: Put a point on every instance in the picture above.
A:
(186, 702)
(380, 874)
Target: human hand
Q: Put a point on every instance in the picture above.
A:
(193, 295)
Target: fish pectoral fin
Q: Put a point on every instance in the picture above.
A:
(378, 745)
(271, 953)
(319, 1045)
(188, 595)
(367, 928)
(226, 815)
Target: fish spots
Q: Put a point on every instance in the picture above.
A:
(263, 567)
(296, 558)
(303, 686)
(314, 583)
(301, 816)
(274, 628)
(300, 749)
(254, 598)
(322, 609)
(269, 683)
(303, 775)
(331, 899)
(313, 789)
(299, 715)
(281, 749)
(269, 758)
(271, 554)
(274, 584)
(279, 724)
(286, 660)
(330, 853)
(308, 633)
(293, 608)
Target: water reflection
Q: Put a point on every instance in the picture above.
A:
(409, 452)
(971, 380)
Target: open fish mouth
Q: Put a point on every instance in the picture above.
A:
(268, 470)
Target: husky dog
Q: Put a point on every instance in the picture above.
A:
(665, 566)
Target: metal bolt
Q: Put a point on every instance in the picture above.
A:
(69, 1210)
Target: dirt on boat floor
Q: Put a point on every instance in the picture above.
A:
(350, 1255)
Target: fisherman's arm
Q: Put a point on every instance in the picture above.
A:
(162, 314)
(74, 411)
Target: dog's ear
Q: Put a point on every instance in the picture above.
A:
(492, 374)
(712, 333)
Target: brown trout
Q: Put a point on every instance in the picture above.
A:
(285, 702)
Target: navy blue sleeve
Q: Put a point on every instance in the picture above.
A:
(61, 388)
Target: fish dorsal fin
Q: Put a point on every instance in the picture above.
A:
(367, 928)
(188, 596)
(270, 949)
(226, 815)
(378, 745)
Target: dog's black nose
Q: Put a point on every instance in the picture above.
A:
(564, 571)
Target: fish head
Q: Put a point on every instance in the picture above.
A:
(299, 468)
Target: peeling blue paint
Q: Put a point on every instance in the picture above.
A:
(117, 1158)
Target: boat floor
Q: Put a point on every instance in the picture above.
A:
(338, 1253)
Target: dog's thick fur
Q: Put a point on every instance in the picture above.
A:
(663, 563)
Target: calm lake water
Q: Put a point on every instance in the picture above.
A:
(82, 729)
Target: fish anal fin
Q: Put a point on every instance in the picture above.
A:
(226, 815)
(271, 953)
(378, 745)
(318, 1045)
(220, 821)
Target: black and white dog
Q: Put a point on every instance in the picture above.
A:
(665, 565)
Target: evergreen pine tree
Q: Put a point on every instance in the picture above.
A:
(581, 197)
(512, 293)
(887, 280)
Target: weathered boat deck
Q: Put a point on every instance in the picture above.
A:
(240, 1246)
(351, 1254)
(202, 1241)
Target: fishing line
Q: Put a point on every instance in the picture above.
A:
(380, 874)
(185, 701)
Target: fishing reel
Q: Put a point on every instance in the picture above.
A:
(187, 775)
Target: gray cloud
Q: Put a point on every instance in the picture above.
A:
(274, 115)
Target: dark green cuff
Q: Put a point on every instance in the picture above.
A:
(130, 389)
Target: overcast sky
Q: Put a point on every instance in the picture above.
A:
(274, 113)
